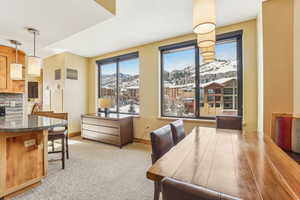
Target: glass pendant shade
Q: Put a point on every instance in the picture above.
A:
(208, 51)
(34, 62)
(16, 72)
(208, 57)
(208, 60)
(204, 16)
(206, 40)
(34, 66)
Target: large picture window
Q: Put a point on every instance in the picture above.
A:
(192, 89)
(119, 81)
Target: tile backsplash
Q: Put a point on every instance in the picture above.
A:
(12, 102)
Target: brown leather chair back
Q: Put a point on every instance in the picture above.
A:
(229, 122)
(177, 190)
(177, 128)
(162, 142)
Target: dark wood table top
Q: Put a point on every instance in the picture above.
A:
(241, 165)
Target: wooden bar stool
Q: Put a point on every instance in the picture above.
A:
(58, 133)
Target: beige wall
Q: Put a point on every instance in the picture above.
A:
(260, 73)
(278, 58)
(73, 95)
(149, 81)
(297, 56)
(110, 5)
(75, 92)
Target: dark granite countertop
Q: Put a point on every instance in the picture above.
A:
(24, 123)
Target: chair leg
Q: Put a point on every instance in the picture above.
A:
(67, 146)
(156, 190)
(63, 152)
(52, 144)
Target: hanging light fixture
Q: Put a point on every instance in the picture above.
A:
(206, 61)
(16, 72)
(206, 40)
(204, 16)
(209, 58)
(34, 62)
(208, 51)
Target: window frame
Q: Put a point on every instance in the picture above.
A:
(117, 60)
(238, 36)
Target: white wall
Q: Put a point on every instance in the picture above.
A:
(260, 71)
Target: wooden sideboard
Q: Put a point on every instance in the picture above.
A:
(7, 57)
(116, 129)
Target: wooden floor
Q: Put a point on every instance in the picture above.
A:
(242, 165)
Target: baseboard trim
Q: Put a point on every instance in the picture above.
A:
(142, 141)
(74, 134)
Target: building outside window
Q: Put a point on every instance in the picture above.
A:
(192, 89)
(119, 81)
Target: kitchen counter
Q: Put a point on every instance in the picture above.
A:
(24, 152)
(21, 123)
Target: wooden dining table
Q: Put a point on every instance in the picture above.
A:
(245, 165)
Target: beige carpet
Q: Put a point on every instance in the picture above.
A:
(97, 171)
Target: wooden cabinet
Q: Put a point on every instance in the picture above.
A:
(8, 56)
(114, 129)
(23, 161)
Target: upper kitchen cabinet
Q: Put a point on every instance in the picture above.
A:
(8, 56)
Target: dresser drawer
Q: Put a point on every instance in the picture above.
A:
(101, 122)
(101, 137)
(102, 129)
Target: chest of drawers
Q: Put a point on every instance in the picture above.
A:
(115, 129)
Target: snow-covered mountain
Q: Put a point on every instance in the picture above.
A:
(208, 72)
(125, 80)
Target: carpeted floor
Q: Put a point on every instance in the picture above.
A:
(97, 171)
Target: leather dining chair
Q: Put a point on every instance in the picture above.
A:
(162, 142)
(177, 190)
(229, 122)
(178, 133)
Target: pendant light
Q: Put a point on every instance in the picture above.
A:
(206, 61)
(206, 40)
(209, 57)
(208, 51)
(34, 62)
(204, 16)
(16, 72)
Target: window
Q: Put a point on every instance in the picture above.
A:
(119, 81)
(192, 89)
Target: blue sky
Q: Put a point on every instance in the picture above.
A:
(126, 67)
(178, 60)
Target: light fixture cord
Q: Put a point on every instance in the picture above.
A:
(34, 35)
(16, 53)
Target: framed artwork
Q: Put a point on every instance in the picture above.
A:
(72, 74)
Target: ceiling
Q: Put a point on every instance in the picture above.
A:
(55, 19)
(88, 29)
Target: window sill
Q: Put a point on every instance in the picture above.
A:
(210, 121)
